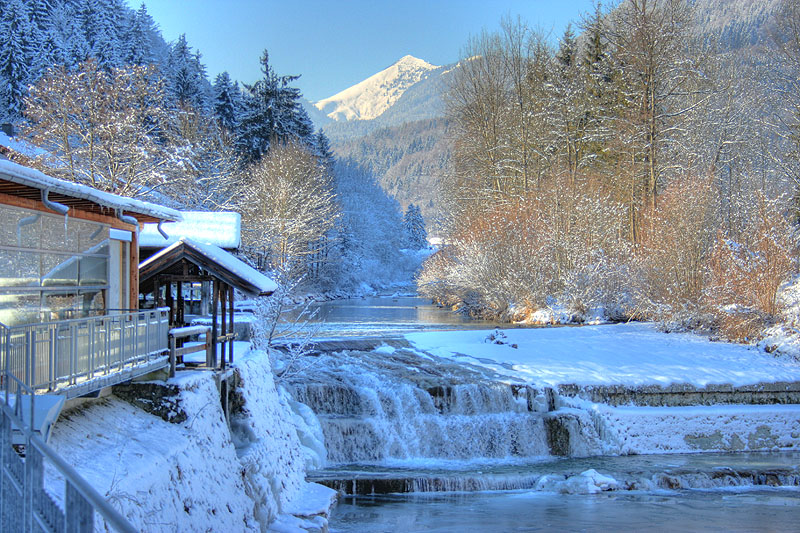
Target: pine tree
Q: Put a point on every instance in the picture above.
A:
(414, 227)
(187, 76)
(69, 41)
(322, 149)
(227, 101)
(16, 57)
(272, 111)
(140, 38)
(102, 22)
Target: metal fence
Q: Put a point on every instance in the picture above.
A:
(50, 355)
(25, 504)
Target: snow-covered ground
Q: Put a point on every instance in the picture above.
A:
(625, 354)
(202, 474)
(633, 355)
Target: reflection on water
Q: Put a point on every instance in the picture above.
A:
(386, 316)
(753, 510)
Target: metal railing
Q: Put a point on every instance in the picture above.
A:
(25, 504)
(58, 354)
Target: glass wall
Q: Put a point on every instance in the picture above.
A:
(51, 267)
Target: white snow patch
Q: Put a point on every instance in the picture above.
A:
(160, 476)
(624, 354)
(587, 482)
(220, 228)
(385, 349)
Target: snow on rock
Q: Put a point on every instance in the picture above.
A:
(587, 482)
(620, 354)
(160, 476)
(385, 349)
(370, 98)
(784, 336)
(272, 452)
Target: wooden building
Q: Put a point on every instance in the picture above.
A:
(166, 277)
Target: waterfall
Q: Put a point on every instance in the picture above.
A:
(377, 408)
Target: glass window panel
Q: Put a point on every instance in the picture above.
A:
(8, 225)
(19, 269)
(27, 230)
(94, 270)
(93, 302)
(59, 270)
(58, 233)
(19, 308)
(60, 306)
(91, 235)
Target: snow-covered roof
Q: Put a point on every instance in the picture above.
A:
(223, 259)
(13, 172)
(220, 228)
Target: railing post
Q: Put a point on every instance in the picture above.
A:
(5, 448)
(53, 355)
(31, 355)
(209, 348)
(34, 483)
(79, 513)
(172, 357)
(91, 349)
(121, 340)
(107, 344)
(73, 355)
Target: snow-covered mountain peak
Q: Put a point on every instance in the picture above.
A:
(368, 99)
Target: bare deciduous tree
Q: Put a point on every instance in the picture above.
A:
(288, 206)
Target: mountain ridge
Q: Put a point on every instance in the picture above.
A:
(371, 97)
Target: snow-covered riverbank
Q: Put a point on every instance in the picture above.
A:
(196, 472)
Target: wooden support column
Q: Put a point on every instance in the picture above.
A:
(223, 297)
(133, 269)
(180, 321)
(214, 310)
(233, 327)
(171, 304)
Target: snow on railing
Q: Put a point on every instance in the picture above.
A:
(53, 355)
(25, 504)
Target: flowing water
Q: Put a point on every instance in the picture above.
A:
(425, 444)
(388, 315)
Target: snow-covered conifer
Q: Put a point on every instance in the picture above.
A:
(17, 51)
(414, 227)
(227, 101)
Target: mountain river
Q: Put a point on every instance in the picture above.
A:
(418, 445)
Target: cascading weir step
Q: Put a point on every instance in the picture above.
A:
(682, 395)
(680, 479)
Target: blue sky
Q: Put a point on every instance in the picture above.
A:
(336, 43)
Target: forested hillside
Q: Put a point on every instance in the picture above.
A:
(647, 169)
(111, 104)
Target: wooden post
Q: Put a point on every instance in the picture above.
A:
(179, 319)
(133, 269)
(233, 326)
(209, 348)
(172, 357)
(223, 298)
(170, 304)
(214, 310)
